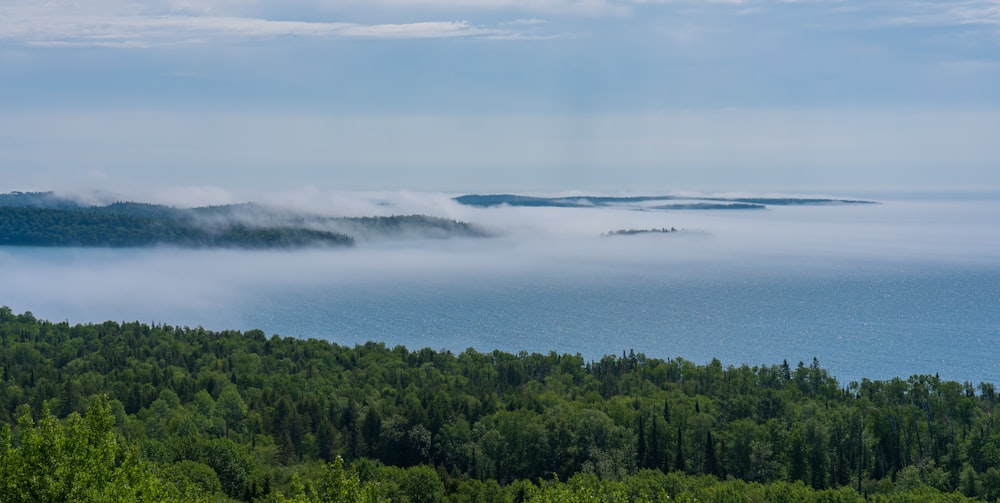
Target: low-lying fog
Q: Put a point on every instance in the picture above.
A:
(549, 280)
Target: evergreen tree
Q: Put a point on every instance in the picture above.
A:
(711, 460)
(679, 458)
(642, 459)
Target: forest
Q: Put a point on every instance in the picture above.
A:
(44, 219)
(152, 412)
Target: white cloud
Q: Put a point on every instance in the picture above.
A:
(685, 1)
(104, 27)
(572, 7)
(969, 12)
(419, 30)
(121, 23)
(525, 22)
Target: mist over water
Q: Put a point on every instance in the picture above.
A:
(879, 291)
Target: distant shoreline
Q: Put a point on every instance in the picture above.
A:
(632, 232)
(45, 219)
(638, 202)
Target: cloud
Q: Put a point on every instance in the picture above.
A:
(204, 287)
(112, 23)
(567, 7)
(969, 12)
(524, 22)
(121, 24)
(118, 28)
(788, 281)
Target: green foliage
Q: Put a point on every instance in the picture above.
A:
(43, 219)
(410, 225)
(231, 415)
(337, 484)
(81, 459)
(136, 225)
(192, 477)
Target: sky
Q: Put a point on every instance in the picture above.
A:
(500, 95)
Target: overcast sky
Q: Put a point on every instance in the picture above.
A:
(491, 95)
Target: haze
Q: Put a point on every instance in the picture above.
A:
(847, 283)
(528, 243)
(489, 96)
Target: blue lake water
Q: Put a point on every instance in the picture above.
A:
(878, 291)
(861, 323)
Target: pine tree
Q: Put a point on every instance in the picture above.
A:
(641, 457)
(679, 459)
(655, 456)
(711, 461)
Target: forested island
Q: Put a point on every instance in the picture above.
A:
(126, 411)
(633, 232)
(44, 219)
(692, 203)
(710, 206)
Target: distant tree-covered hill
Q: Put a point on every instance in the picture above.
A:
(131, 225)
(36, 200)
(407, 226)
(693, 203)
(633, 232)
(44, 219)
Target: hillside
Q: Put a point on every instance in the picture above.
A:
(254, 418)
(44, 219)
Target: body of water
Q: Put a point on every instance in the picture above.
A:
(878, 291)
(866, 321)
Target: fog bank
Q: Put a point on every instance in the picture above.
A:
(550, 280)
(530, 242)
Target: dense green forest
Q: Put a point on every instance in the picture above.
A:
(44, 219)
(130, 411)
(90, 227)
